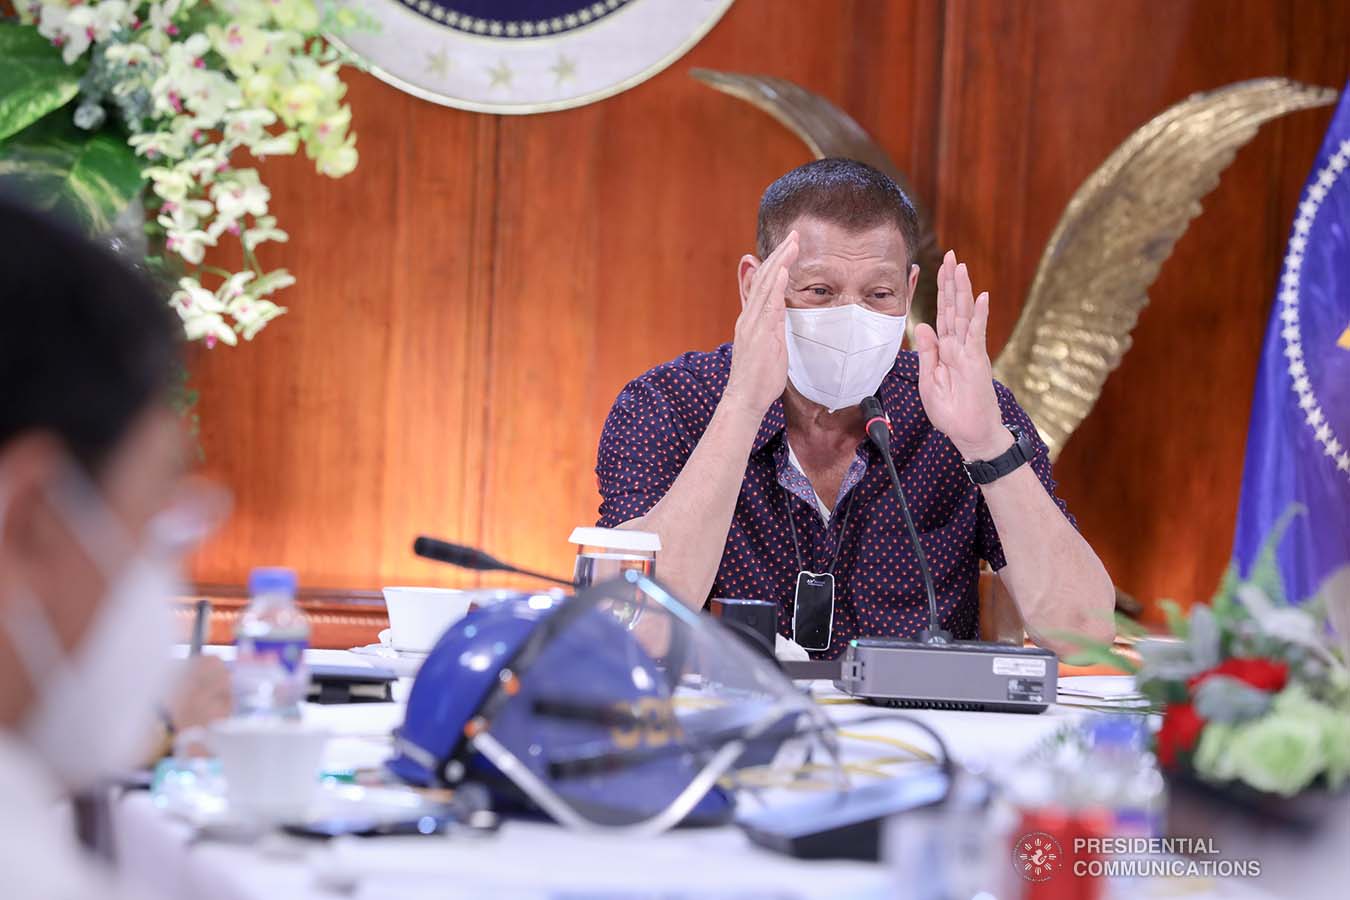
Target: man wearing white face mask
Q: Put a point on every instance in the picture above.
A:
(90, 456)
(752, 464)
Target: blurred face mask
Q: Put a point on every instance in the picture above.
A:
(95, 704)
(839, 355)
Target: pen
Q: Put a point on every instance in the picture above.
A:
(202, 614)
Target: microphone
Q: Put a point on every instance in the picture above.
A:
(472, 558)
(879, 433)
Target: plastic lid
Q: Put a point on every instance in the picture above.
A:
(617, 539)
(271, 580)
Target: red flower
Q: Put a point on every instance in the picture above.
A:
(1262, 674)
(1180, 730)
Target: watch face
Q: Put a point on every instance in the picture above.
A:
(525, 56)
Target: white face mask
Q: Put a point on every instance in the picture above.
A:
(839, 355)
(95, 706)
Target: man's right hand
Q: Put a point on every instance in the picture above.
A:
(759, 349)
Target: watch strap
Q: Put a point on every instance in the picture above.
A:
(982, 472)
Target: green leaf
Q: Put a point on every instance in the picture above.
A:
(1177, 623)
(88, 177)
(1227, 590)
(1265, 570)
(34, 80)
(1093, 653)
(1127, 627)
(1163, 691)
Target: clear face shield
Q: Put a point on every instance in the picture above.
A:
(625, 709)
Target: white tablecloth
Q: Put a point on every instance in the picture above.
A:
(533, 859)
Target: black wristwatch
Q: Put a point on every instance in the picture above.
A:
(987, 471)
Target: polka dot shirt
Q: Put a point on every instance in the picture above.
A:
(657, 421)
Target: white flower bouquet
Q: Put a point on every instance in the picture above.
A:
(102, 99)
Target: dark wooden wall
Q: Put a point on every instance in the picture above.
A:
(471, 299)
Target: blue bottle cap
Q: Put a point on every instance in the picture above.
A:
(271, 580)
(1117, 731)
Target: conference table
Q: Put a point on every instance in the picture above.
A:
(534, 859)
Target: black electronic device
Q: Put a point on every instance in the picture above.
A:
(962, 675)
(847, 824)
(754, 621)
(934, 671)
(337, 683)
(844, 824)
(325, 829)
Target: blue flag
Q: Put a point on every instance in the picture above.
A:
(1298, 446)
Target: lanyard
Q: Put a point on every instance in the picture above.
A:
(843, 523)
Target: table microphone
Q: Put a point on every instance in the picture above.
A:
(878, 429)
(934, 671)
(472, 558)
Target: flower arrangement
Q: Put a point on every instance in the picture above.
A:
(102, 99)
(1252, 689)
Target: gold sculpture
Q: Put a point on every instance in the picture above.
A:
(1112, 239)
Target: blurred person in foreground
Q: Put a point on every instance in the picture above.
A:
(92, 495)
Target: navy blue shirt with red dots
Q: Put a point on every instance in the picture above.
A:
(657, 421)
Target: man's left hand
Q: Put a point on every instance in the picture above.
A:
(956, 379)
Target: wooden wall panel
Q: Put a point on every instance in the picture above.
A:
(474, 296)
(1035, 98)
(648, 202)
(358, 417)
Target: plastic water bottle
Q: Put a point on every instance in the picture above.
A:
(270, 676)
(1125, 777)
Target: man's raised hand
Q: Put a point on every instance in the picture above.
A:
(759, 352)
(956, 380)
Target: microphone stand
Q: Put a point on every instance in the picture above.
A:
(879, 433)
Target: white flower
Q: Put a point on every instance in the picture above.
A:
(160, 16)
(254, 12)
(251, 314)
(156, 144)
(184, 215)
(170, 184)
(247, 126)
(74, 28)
(200, 311)
(130, 54)
(233, 288)
(191, 299)
(240, 44)
(191, 245)
(295, 15)
(275, 145)
(240, 193)
(271, 283)
(264, 229)
(209, 328)
(300, 102)
(337, 160)
(205, 163)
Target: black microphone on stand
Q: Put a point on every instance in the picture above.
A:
(879, 433)
(472, 558)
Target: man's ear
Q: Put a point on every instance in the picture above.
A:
(913, 283)
(745, 275)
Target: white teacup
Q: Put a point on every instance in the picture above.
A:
(271, 767)
(418, 616)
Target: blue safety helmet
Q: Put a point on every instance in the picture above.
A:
(566, 690)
